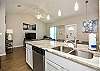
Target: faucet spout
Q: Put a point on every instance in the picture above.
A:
(74, 43)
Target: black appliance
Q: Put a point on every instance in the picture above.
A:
(38, 59)
(30, 36)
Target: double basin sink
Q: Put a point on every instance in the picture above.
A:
(72, 51)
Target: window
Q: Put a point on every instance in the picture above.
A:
(53, 31)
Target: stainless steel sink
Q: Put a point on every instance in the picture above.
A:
(83, 54)
(79, 53)
(63, 49)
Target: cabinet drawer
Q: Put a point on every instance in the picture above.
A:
(51, 66)
(55, 58)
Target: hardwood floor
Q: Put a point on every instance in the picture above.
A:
(14, 61)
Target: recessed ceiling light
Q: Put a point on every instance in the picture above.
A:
(18, 5)
(48, 17)
(59, 12)
(76, 7)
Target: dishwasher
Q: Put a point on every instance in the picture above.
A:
(38, 59)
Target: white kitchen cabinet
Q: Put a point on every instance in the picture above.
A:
(65, 64)
(29, 55)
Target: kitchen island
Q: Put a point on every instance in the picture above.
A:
(84, 64)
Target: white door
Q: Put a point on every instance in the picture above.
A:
(70, 32)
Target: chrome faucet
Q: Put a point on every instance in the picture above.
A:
(74, 43)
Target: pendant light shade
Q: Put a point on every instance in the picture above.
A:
(38, 16)
(86, 2)
(48, 17)
(76, 7)
(59, 12)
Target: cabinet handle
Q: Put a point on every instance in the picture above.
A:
(52, 65)
(64, 69)
(56, 64)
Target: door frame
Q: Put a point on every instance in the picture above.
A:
(75, 28)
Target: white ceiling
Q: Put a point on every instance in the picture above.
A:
(45, 7)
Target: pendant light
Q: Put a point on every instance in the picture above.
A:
(86, 2)
(38, 16)
(59, 12)
(76, 7)
(48, 17)
(86, 21)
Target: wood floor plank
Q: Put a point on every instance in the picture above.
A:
(15, 61)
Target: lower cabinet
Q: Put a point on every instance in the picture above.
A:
(56, 63)
(29, 55)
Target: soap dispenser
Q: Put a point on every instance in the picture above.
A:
(92, 41)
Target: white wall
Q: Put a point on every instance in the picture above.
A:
(40, 30)
(15, 22)
(2, 27)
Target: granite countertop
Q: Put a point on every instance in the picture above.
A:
(47, 45)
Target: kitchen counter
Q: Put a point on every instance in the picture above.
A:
(47, 45)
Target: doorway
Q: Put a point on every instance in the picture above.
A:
(53, 32)
(70, 32)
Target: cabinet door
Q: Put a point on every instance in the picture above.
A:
(29, 55)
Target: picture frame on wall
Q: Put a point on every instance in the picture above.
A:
(89, 26)
(29, 26)
(25, 26)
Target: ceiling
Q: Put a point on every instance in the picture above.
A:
(51, 7)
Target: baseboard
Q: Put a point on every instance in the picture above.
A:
(2, 54)
(18, 46)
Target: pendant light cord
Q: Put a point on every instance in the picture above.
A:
(86, 2)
